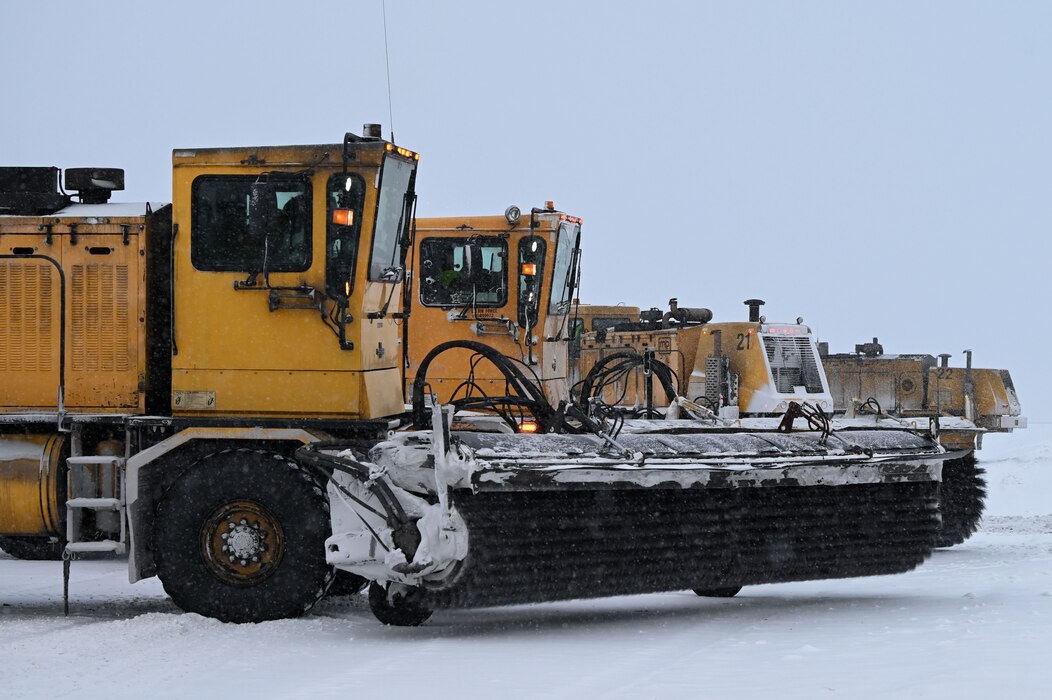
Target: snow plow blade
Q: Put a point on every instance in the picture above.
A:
(511, 518)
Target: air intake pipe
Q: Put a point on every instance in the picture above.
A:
(684, 315)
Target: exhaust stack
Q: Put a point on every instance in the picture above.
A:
(754, 309)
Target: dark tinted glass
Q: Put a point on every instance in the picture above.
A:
(220, 238)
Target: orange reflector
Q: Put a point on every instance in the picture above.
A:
(528, 427)
(343, 217)
(529, 269)
(347, 288)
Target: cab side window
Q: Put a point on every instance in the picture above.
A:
(220, 236)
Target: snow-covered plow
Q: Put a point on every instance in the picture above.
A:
(446, 518)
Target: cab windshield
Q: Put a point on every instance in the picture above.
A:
(564, 270)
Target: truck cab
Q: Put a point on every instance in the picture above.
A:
(505, 281)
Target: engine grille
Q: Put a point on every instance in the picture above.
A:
(793, 363)
(26, 330)
(99, 318)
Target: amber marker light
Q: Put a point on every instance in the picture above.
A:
(528, 427)
(343, 217)
(529, 269)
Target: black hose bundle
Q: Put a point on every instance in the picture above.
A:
(614, 369)
(522, 395)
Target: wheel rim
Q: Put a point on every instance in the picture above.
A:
(242, 543)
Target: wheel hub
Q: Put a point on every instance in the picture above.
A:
(242, 543)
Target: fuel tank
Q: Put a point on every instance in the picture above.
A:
(32, 483)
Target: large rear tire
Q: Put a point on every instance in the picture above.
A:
(961, 496)
(241, 537)
(32, 548)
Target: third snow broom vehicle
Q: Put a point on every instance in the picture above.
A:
(734, 369)
(969, 402)
(215, 387)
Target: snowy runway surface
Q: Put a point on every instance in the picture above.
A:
(975, 621)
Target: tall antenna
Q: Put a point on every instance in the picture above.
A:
(387, 58)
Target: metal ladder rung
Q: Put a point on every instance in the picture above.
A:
(102, 546)
(92, 476)
(95, 503)
(95, 459)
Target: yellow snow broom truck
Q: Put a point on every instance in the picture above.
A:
(216, 387)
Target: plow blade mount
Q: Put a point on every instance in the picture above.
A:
(550, 517)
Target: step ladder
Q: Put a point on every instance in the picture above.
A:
(91, 495)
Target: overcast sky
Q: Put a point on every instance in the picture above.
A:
(881, 169)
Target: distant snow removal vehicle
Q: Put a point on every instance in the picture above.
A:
(968, 403)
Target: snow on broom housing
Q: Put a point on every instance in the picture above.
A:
(216, 387)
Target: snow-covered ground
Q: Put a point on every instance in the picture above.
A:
(975, 621)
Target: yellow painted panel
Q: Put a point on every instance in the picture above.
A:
(381, 393)
(272, 392)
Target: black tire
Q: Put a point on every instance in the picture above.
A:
(728, 592)
(32, 548)
(961, 499)
(402, 609)
(279, 515)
